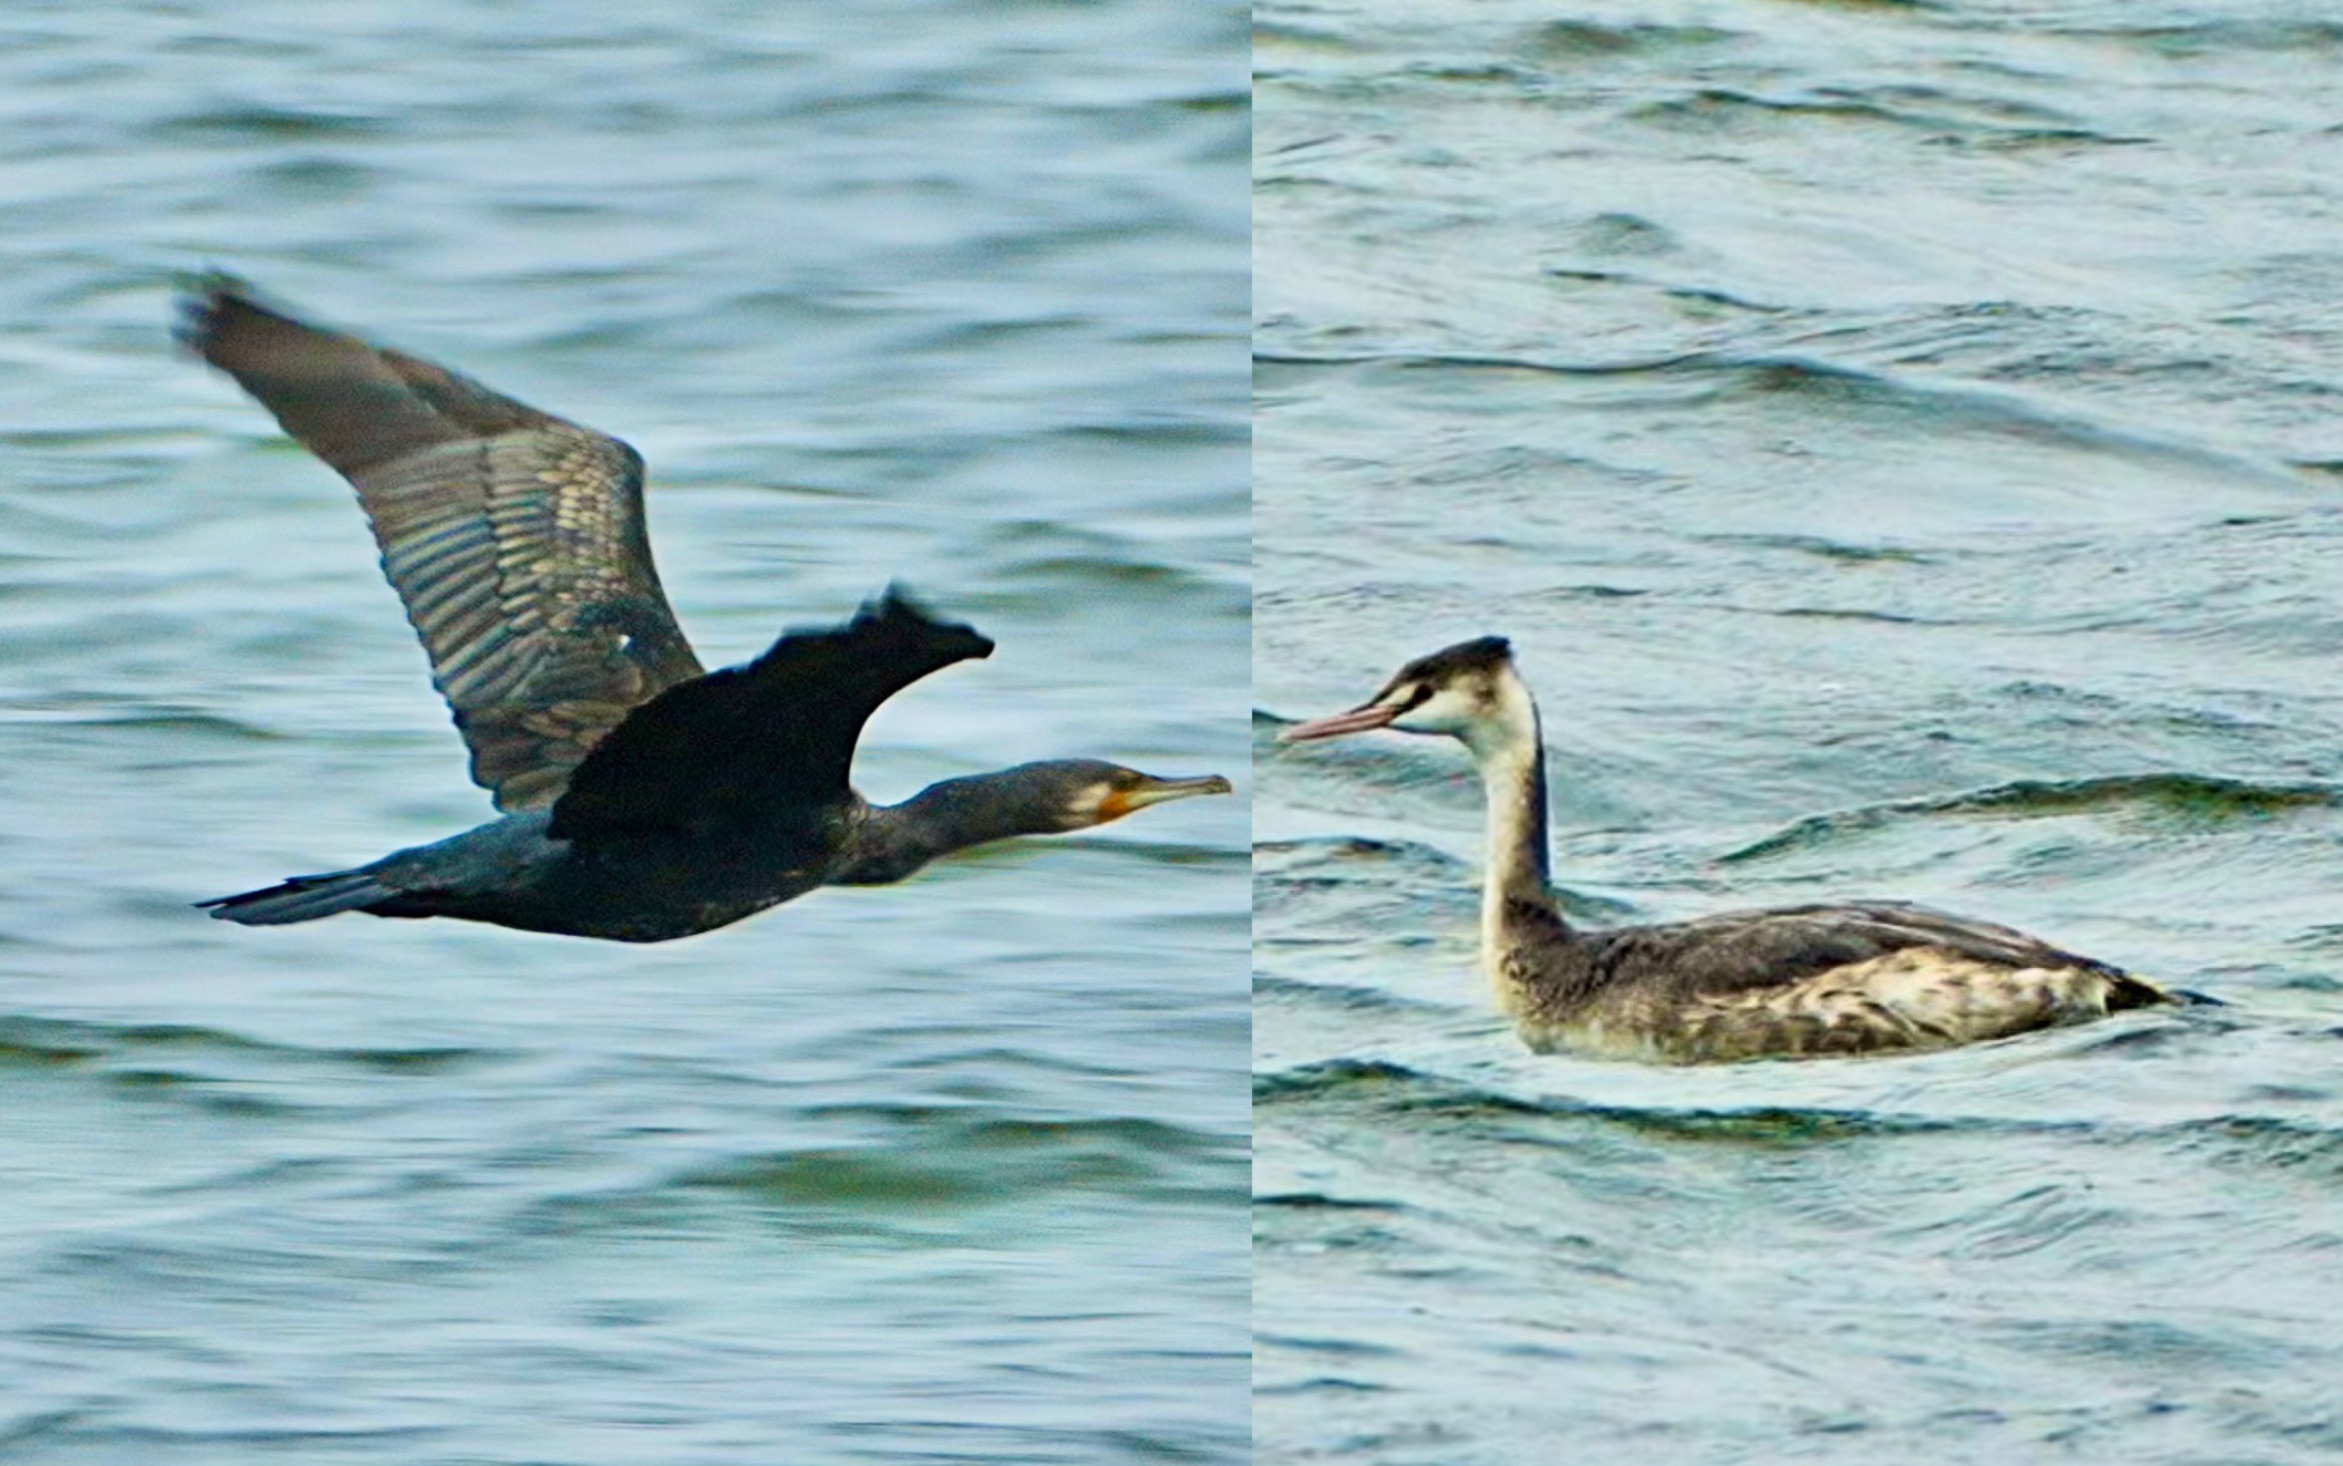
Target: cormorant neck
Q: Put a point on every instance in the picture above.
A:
(894, 840)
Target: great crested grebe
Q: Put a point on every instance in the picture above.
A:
(1796, 981)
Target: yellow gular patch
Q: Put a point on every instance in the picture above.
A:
(1114, 806)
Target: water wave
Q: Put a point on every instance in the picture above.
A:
(2175, 800)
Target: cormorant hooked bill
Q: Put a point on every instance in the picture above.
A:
(1797, 981)
(643, 799)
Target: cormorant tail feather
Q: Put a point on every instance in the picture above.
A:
(303, 898)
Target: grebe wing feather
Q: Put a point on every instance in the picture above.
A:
(1737, 951)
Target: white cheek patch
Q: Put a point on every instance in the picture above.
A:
(1513, 703)
(1443, 712)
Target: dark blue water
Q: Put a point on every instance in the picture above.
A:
(950, 1171)
(1900, 441)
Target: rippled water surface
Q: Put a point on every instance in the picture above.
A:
(949, 1171)
(1901, 441)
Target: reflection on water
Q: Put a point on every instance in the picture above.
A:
(1899, 442)
(950, 294)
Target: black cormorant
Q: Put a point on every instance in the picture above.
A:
(1871, 977)
(643, 799)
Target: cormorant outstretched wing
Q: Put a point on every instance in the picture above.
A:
(745, 747)
(515, 538)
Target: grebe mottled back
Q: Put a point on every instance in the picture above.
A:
(1797, 981)
(643, 798)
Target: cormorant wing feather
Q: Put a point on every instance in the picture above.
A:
(515, 538)
(1736, 951)
(751, 747)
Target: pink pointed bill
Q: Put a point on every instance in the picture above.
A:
(1357, 720)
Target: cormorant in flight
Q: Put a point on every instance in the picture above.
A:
(642, 798)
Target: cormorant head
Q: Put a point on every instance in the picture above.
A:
(1465, 691)
(1077, 793)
